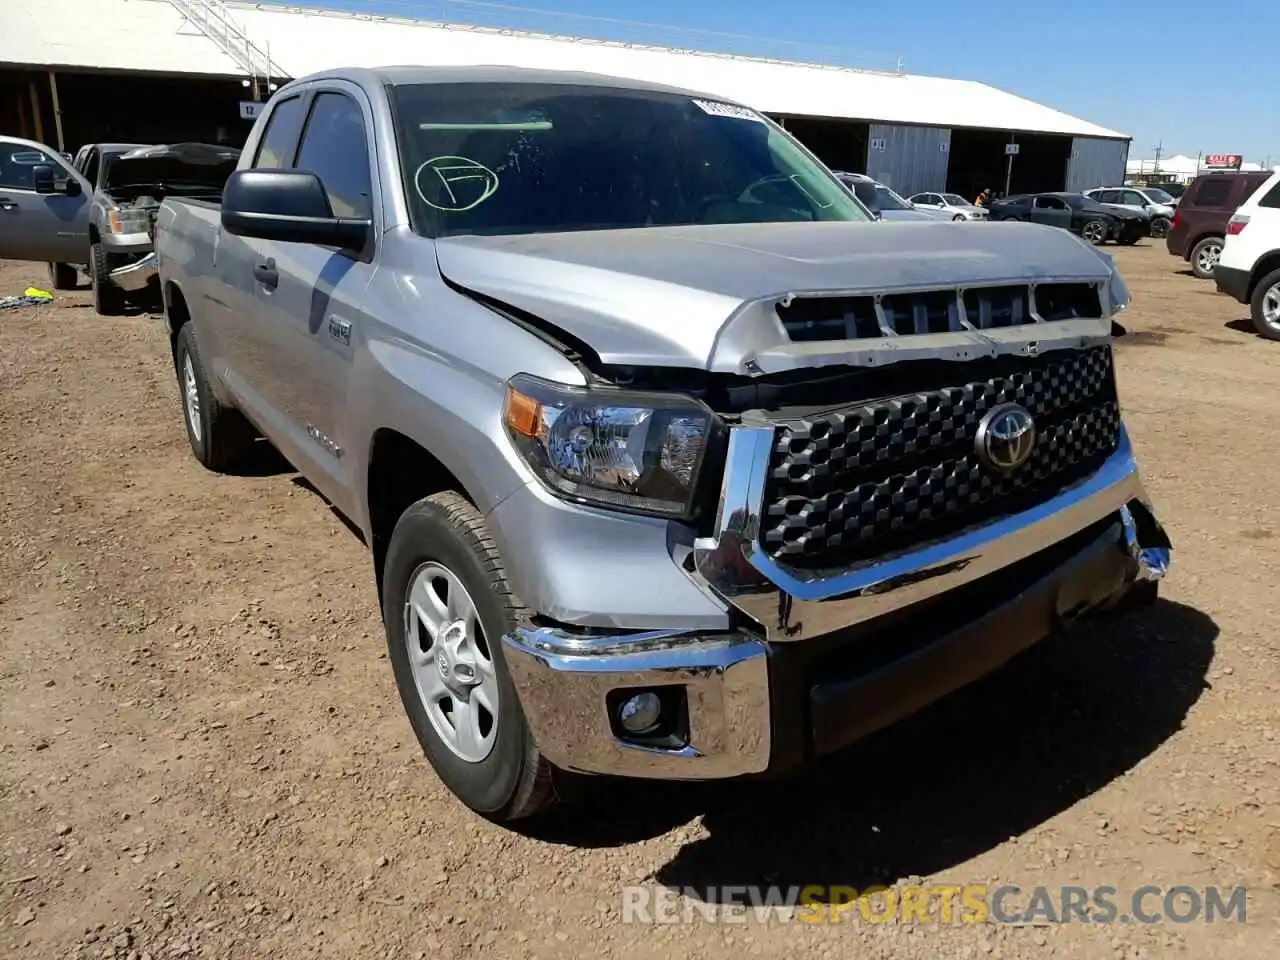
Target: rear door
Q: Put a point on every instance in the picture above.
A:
(1050, 210)
(34, 226)
(313, 312)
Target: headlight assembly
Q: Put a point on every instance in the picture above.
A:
(617, 449)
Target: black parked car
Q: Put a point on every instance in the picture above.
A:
(1094, 221)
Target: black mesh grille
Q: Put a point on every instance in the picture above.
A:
(888, 474)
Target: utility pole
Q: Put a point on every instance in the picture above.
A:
(1159, 149)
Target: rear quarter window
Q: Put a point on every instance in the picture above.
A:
(1213, 192)
(1271, 198)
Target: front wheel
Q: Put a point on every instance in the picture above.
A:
(446, 607)
(1094, 231)
(1159, 228)
(1204, 257)
(959, 216)
(108, 299)
(1265, 305)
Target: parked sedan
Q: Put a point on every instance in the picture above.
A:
(883, 202)
(1095, 222)
(952, 204)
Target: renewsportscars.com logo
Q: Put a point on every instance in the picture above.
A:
(935, 904)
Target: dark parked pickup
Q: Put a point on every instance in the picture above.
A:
(1200, 221)
(1095, 222)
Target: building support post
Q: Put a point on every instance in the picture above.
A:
(57, 110)
(35, 111)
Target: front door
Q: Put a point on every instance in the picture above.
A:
(1052, 211)
(311, 299)
(35, 226)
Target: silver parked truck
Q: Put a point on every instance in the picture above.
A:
(673, 462)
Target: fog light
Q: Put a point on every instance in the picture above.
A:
(640, 714)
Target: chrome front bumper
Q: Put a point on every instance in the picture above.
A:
(135, 276)
(569, 680)
(791, 606)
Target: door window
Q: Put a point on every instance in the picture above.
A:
(1050, 203)
(91, 164)
(17, 162)
(281, 136)
(1134, 198)
(335, 149)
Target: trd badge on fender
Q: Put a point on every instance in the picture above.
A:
(1006, 437)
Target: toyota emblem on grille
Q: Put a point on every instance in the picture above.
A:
(1006, 437)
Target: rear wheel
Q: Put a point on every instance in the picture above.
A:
(1205, 256)
(62, 276)
(1095, 231)
(108, 299)
(1265, 304)
(220, 436)
(446, 606)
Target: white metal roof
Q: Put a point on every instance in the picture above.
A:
(108, 35)
(151, 34)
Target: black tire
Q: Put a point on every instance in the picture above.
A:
(1159, 228)
(108, 300)
(958, 216)
(1268, 287)
(1208, 249)
(63, 276)
(1098, 229)
(225, 436)
(514, 780)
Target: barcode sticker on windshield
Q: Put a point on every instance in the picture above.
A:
(717, 109)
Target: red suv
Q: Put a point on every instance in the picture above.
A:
(1200, 219)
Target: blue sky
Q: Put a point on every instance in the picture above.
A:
(1194, 76)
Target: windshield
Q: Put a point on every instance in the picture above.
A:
(538, 158)
(1157, 196)
(878, 197)
(955, 200)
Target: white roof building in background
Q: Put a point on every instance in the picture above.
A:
(154, 35)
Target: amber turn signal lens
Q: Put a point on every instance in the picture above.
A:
(524, 414)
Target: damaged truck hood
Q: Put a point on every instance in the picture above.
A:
(705, 296)
(191, 164)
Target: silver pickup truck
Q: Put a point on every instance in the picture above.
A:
(673, 462)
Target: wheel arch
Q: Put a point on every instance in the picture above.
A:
(176, 312)
(1267, 263)
(400, 471)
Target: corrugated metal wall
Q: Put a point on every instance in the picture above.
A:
(909, 159)
(1096, 163)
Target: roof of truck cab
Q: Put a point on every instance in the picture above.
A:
(399, 76)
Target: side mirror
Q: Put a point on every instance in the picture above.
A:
(288, 205)
(42, 178)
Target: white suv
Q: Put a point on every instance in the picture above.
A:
(1249, 269)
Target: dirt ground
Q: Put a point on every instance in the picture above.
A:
(202, 753)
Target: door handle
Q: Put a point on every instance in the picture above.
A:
(267, 274)
(7, 204)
